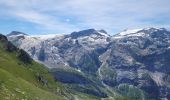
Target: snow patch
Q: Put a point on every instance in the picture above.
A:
(126, 32)
(78, 70)
(158, 78)
(103, 34)
(47, 36)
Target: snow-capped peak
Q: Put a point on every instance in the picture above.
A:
(137, 32)
(48, 36)
(89, 32)
(127, 32)
(103, 33)
(16, 33)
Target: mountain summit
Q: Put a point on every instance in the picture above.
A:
(89, 32)
(139, 32)
(14, 33)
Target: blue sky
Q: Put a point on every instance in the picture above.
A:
(66, 16)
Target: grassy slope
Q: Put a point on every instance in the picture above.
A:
(18, 81)
(13, 88)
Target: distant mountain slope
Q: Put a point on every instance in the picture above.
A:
(57, 51)
(133, 63)
(139, 58)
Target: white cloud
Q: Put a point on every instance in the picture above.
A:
(45, 21)
(112, 15)
(67, 20)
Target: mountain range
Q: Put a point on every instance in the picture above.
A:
(133, 64)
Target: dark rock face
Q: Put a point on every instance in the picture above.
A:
(25, 57)
(10, 47)
(6, 44)
(97, 93)
(3, 38)
(3, 41)
(83, 33)
(41, 56)
(71, 78)
(42, 80)
(103, 31)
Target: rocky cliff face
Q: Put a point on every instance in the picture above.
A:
(136, 60)
(140, 59)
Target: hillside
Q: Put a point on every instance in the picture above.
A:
(19, 78)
